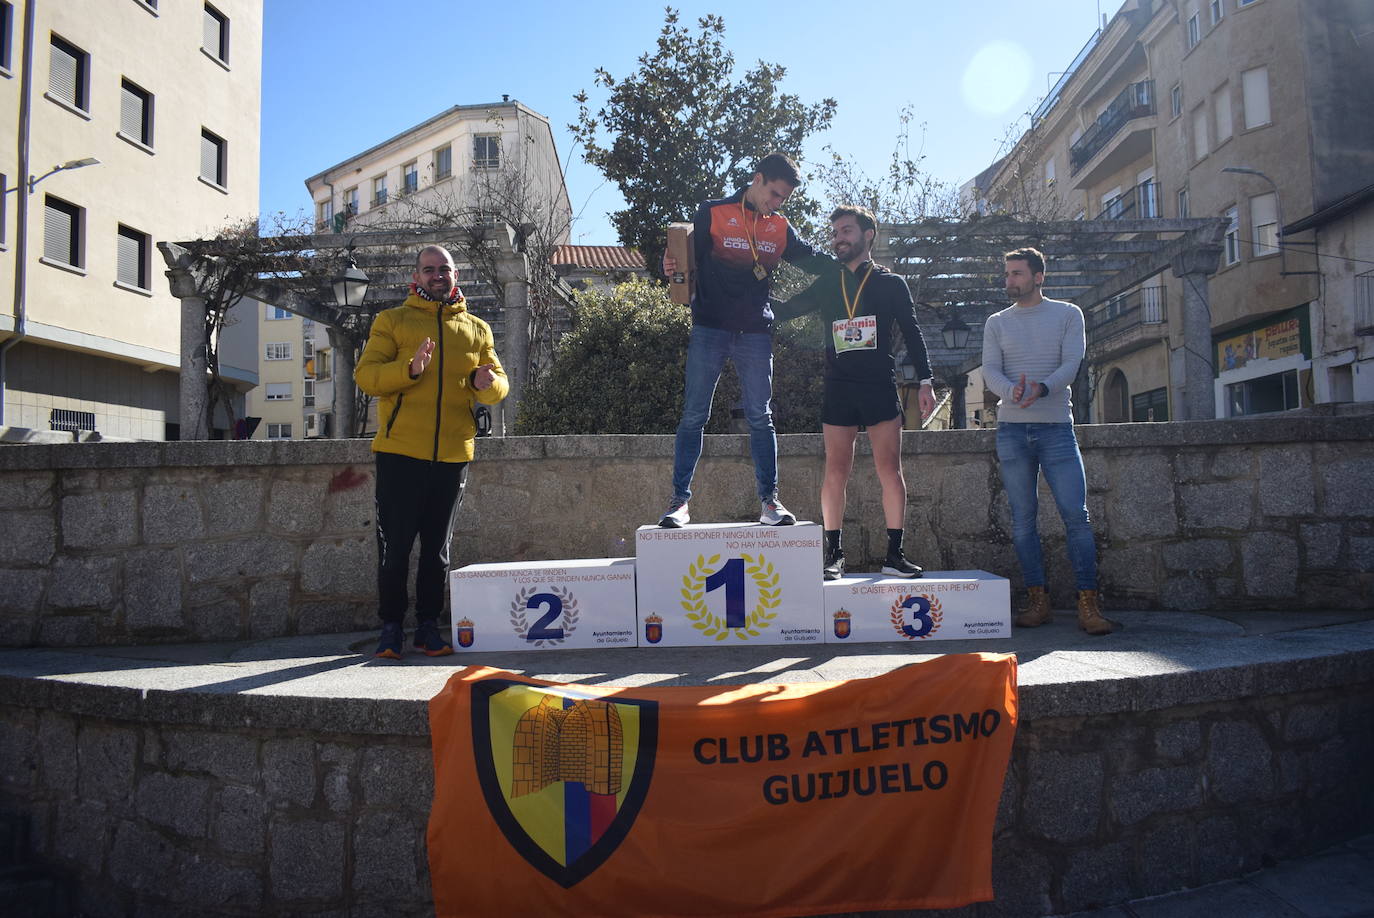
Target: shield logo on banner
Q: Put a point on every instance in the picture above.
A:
(465, 632)
(653, 629)
(564, 774)
(842, 619)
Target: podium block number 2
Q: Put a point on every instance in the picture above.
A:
(540, 630)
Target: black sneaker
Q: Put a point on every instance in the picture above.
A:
(897, 565)
(389, 645)
(430, 641)
(834, 566)
(677, 515)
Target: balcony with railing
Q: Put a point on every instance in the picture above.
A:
(1138, 203)
(1125, 322)
(1135, 101)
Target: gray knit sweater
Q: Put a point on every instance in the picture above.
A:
(1046, 343)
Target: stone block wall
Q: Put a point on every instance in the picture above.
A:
(126, 543)
(171, 803)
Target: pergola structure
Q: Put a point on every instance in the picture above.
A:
(295, 273)
(955, 273)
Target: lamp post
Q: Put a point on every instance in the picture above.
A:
(21, 249)
(955, 334)
(1278, 211)
(350, 288)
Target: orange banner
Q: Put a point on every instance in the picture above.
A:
(801, 799)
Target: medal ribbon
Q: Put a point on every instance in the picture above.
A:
(749, 236)
(849, 307)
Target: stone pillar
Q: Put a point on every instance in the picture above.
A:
(345, 391)
(1193, 267)
(194, 393)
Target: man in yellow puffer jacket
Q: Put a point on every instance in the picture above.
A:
(426, 362)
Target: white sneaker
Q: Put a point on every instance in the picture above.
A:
(676, 517)
(773, 513)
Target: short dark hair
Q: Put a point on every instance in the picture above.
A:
(779, 166)
(862, 215)
(1030, 256)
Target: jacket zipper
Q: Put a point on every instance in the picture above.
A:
(439, 397)
(394, 411)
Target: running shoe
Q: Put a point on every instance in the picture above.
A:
(677, 515)
(389, 646)
(773, 513)
(430, 641)
(834, 565)
(897, 565)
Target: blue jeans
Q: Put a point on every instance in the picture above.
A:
(1023, 450)
(707, 351)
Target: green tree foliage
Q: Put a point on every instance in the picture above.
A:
(681, 132)
(620, 370)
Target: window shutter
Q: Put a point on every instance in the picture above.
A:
(209, 159)
(130, 258)
(131, 114)
(63, 75)
(212, 34)
(58, 233)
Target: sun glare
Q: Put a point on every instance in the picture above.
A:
(996, 77)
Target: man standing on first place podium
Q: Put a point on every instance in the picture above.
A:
(738, 241)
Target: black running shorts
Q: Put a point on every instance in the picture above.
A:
(855, 404)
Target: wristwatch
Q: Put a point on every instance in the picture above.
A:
(1044, 390)
(928, 381)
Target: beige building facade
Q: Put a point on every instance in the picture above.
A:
(147, 110)
(1260, 112)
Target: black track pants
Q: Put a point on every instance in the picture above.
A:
(415, 498)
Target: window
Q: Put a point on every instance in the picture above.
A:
(1214, 7)
(1150, 406)
(6, 33)
(4, 202)
(410, 178)
(1049, 173)
(278, 431)
(69, 74)
(1364, 303)
(1176, 100)
(216, 41)
(379, 191)
(1222, 104)
(1232, 238)
(322, 364)
(1182, 203)
(1194, 31)
(70, 421)
(279, 392)
(1278, 392)
(324, 214)
(486, 151)
(212, 159)
(308, 348)
(1254, 88)
(308, 393)
(276, 313)
(351, 202)
(62, 232)
(1240, 3)
(1199, 132)
(278, 350)
(1264, 225)
(443, 162)
(135, 113)
(131, 257)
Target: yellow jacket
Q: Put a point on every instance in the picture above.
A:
(429, 417)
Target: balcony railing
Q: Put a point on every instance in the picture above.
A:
(1141, 311)
(1135, 101)
(1138, 203)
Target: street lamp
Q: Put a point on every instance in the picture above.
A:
(955, 334)
(1278, 212)
(350, 288)
(69, 164)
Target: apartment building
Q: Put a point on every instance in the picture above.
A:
(1257, 111)
(470, 164)
(136, 122)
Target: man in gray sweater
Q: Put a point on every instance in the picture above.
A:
(1031, 353)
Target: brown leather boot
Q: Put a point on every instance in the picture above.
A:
(1090, 617)
(1037, 611)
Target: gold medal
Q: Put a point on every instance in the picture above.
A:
(760, 271)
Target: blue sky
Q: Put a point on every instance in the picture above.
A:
(340, 76)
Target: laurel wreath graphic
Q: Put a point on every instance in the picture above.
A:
(765, 577)
(518, 613)
(899, 615)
